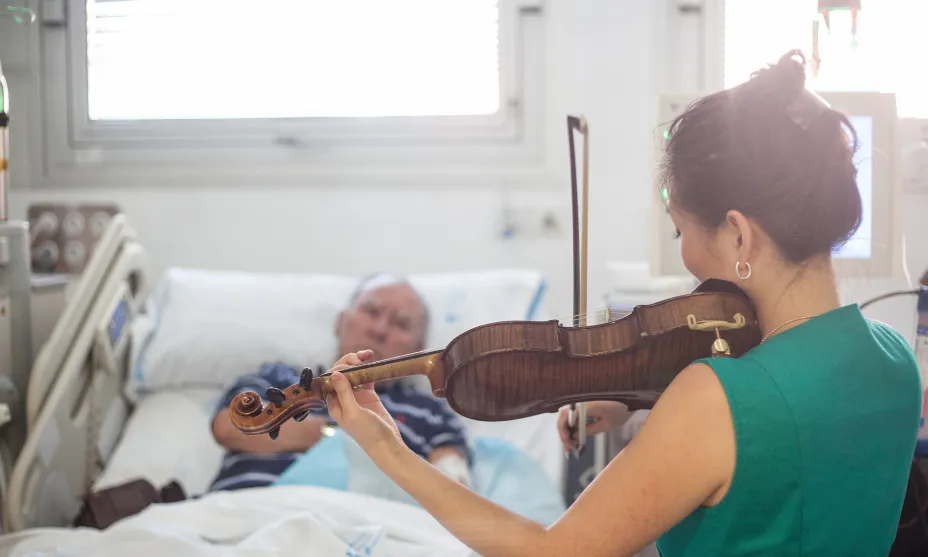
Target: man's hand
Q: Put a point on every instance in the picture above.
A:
(441, 452)
(452, 461)
(601, 415)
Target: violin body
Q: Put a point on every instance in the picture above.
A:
(506, 371)
(516, 369)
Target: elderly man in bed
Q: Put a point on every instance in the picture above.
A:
(387, 316)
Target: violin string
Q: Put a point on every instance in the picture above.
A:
(600, 312)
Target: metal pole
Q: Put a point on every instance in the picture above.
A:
(4, 145)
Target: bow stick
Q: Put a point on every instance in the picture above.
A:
(577, 424)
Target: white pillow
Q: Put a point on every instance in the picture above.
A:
(168, 437)
(207, 328)
(461, 301)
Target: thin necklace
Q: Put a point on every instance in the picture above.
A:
(768, 335)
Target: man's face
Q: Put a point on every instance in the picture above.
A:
(387, 319)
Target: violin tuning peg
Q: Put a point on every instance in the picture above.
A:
(276, 396)
(301, 417)
(274, 433)
(306, 378)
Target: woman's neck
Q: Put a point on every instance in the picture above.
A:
(805, 292)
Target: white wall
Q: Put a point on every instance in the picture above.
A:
(602, 64)
(606, 60)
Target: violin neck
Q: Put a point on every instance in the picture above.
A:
(420, 363)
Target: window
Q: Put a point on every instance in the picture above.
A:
(235, 59)
(291, 91)
(884, 56)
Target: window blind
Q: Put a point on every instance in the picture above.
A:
(205, 59)
(887, 56)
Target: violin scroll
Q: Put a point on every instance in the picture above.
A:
(248, 404)
(250, 415)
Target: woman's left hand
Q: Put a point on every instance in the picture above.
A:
(358, 410)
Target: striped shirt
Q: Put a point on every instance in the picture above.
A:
(425, 423)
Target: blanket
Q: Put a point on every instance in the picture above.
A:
(500, 472)
(305, 520)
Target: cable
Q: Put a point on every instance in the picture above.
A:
(890, 295)
(905, 265)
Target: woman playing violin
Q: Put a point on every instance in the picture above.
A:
(800, 447)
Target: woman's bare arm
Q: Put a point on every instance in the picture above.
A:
(682, 457)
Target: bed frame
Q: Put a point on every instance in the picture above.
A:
(76, 404)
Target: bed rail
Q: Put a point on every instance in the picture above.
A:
(106, 255)
(76, 402)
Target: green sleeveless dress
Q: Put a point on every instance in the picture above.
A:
(826, 417)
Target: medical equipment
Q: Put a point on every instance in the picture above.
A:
(15, 288)
(825, 9)
(876, 249)
(64, 235)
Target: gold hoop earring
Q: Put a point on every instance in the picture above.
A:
(747, 275)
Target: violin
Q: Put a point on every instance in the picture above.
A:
(517, 369)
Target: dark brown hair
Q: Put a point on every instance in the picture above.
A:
(740, 149)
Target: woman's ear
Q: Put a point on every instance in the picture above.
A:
(741, 236)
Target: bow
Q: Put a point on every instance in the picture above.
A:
(577, 424)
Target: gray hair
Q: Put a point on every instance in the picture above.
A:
(380, 279)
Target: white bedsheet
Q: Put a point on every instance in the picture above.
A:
(283, 520)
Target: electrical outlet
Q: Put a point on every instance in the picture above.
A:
(541, 222)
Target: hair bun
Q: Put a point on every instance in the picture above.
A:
(781, 83)
(792, 71)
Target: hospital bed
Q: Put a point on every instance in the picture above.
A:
(127, 383)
